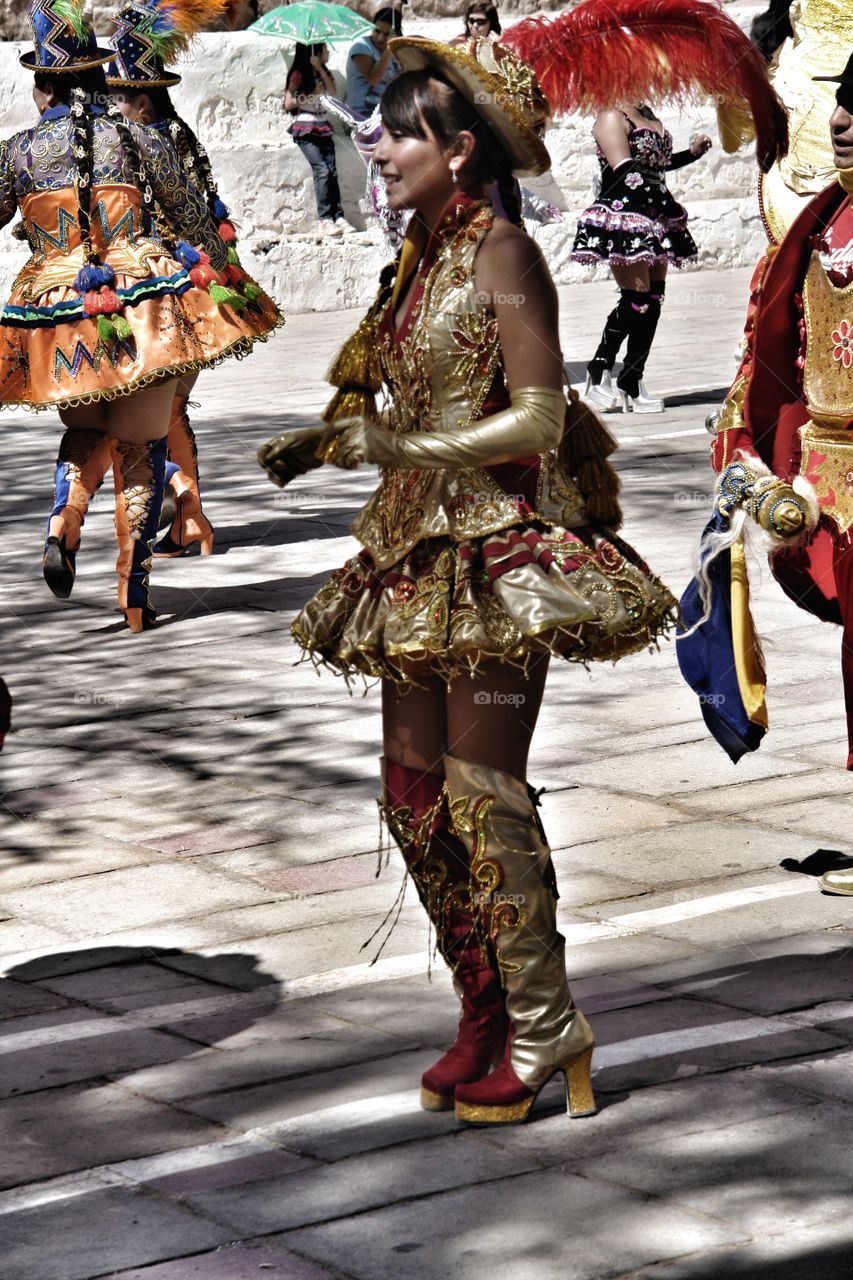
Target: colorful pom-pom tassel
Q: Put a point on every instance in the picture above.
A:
(106, 329)
(123, 331)
(219, 210)
(234, 275)
(102, 302)
(227, 231)
(187, 255)
(252, 291)
(204, 275)
(94, 276)
(227, 297)
(233, 257)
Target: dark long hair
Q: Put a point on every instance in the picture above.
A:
(419, 100)
(302, 55)
(80, 90)
(192, 154)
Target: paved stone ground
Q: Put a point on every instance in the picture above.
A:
(203, 1078)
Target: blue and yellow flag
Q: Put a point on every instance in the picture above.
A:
(721, 660)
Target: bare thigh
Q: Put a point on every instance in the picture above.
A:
(490, 719)
(634, 277)
(640, 276)
(136, 419)
(186, 384)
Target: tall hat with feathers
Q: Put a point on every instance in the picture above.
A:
(63, 40)
(610, 51)
(497, 84)
(150, 35)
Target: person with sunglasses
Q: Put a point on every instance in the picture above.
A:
(481, 23)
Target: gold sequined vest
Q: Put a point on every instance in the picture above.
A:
(828, 389)
(439, 376)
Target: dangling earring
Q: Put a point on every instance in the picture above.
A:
(454, 174)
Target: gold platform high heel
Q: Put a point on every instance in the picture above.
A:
(493, 813)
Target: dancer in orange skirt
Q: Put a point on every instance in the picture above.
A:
(148, 36)
(105, 315)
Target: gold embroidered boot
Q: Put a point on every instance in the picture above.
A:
(493, 813)
(415, 812)
(84, 456)
(139, 471)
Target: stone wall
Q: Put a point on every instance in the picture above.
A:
(13, 16)
(232, 95)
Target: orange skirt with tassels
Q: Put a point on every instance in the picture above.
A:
(51, 353)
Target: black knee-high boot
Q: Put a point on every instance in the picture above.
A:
(645, 314)
(616, 328)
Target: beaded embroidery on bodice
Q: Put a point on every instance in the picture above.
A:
(41, 159)
(439, 376)
(649, 148)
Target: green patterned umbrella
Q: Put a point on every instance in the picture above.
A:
(312, 22)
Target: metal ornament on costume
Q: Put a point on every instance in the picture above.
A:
(64, 42)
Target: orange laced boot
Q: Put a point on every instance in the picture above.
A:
(190, 526)
(84, 457)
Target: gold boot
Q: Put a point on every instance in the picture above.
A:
(840, 882)
(414, 807)
(139, 471)
(511, 866)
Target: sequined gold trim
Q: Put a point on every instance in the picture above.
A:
(731, 416)
(237, 350)
(828, 367)
(827, 464)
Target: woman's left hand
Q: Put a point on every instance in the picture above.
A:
(700, 143)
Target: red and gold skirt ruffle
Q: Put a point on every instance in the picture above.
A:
(449, 606)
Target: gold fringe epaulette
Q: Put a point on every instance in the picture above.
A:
(357, 368)
(584, 449)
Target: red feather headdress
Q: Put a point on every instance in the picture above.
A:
(610, 51)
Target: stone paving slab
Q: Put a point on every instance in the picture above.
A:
(412, 1170)
(544, 1226)
(791, 1169)
(72, 1127)
(250, 1260)
(129, 1227)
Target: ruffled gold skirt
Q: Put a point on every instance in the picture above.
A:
(449, 606)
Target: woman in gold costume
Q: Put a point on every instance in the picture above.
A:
(105, 315)
(480, 559)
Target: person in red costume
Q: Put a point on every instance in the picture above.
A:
(790, 408)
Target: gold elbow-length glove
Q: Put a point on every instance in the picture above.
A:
(532, 424)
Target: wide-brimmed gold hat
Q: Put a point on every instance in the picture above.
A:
(500, 87)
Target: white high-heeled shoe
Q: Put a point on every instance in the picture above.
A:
(600, 395)
(642, 402)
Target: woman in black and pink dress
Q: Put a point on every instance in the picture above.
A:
(636, 227)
